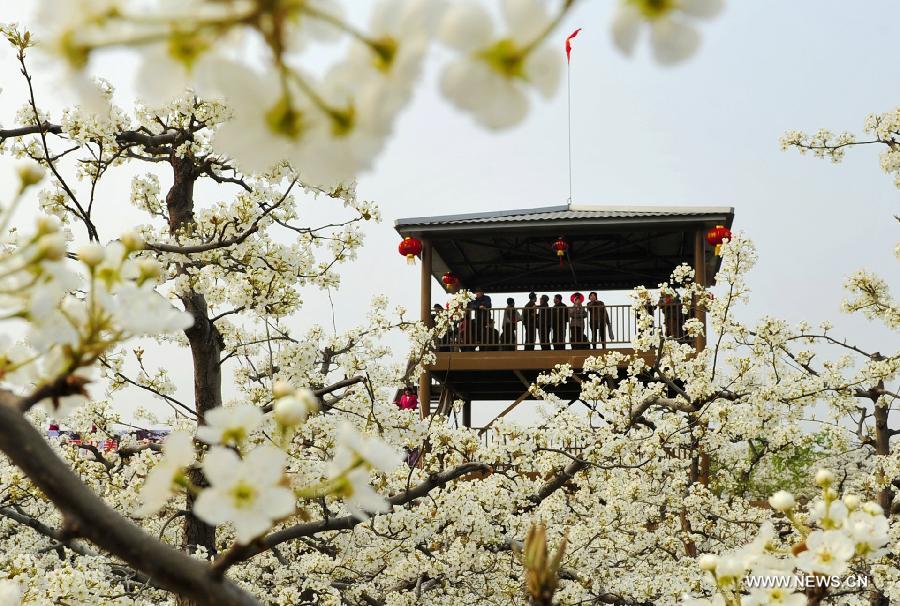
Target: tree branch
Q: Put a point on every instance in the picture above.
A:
(348, 522)
(93, 519)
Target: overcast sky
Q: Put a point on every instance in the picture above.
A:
(703, 133)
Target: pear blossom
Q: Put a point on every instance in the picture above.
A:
(140, 310)
(91, 254)
(869, 532)
(293, 409)
(11, 593)
(247, 493)
(827, 552)
(824, 477)
(775, 596)
(354, 455)
(708, 562)
(161, 482)
(230, 426)
(782, 501)
(828, 516)
(360, 498)
(353, 447)
(491, 77)
(672, 37)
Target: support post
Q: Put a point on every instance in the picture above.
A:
(425, 310)
(467, 413)
(700, 279)
(700, 466)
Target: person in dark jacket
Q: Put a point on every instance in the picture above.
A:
(511, 319)
(560, 319)
(544, 321)
(599, 321)
(673, 316)
(481, 305)
(530, 321)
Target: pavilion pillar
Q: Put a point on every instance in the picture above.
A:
(425, 313)
(700, 279)
(467, 413)
(700, 464)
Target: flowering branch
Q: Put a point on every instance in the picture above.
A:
(91, 518)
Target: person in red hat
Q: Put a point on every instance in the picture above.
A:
(577, 316)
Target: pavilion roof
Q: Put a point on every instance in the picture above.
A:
(610, 247)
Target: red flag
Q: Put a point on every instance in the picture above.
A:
(569, 45)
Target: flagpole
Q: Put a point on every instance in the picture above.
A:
(569, 103)
(569, 108)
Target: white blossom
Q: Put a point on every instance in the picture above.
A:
(230, 426)
(247, 493)
(161, 485)
(672, 36)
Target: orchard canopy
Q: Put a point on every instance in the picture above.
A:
(204, 401)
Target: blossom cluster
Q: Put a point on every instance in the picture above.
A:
(331, 124)
(835, 532)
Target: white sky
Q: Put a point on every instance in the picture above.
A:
(704, 133)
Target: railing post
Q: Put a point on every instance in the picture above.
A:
(425, 378)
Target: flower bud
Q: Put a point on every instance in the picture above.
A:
(281, 389)
(851, 501)
(148, 270)
(824, 478)
(51, 247)
(872, 508)
(782, 501)
(289, 411)
(29, 174)
(91, 254)
(132, 241)
(47, 225)
(708, 562)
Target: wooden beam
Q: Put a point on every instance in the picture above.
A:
(525, 395)
(525, 382)
(520, 360)
(467, 413)
(425, 310)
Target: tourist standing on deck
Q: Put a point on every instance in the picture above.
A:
(599, 321)
(482, 306)
(577, 316)
(530, 321)
(511, 319)
(560, 319)
(544, 321)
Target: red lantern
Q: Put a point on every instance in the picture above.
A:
(450, 281)
(560, 246)
(410, 248)
(717, 235)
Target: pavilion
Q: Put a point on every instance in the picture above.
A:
(606, 248)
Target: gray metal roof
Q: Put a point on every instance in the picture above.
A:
(575, 212)
(610, 247)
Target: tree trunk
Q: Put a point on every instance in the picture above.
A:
(206, 348)
(883, 448)
(886, 496)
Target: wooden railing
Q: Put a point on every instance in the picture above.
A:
(546, 328)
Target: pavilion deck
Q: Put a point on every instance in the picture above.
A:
(604, 249)
(500, 339)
